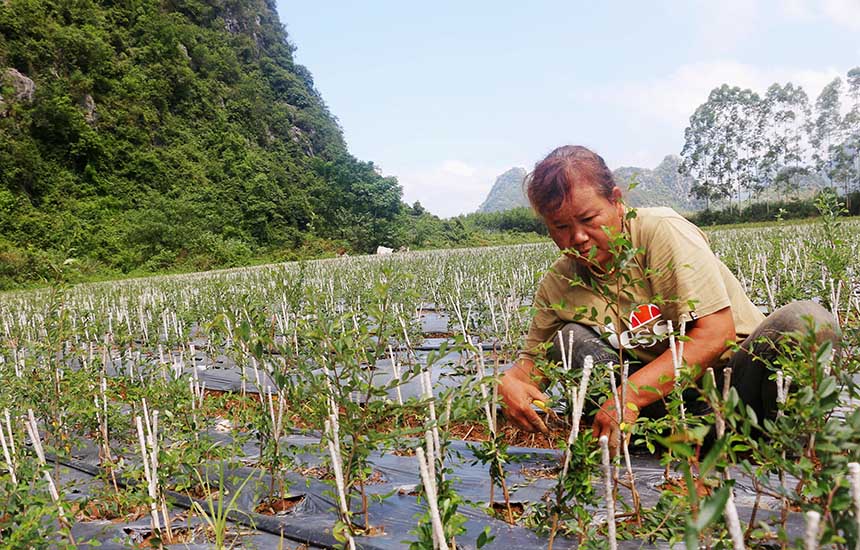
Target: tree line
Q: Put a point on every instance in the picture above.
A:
(740, 145)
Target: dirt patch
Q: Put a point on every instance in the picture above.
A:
(278, 506)
(678, 486)
(200, 492)
(500, 511)
(549, 472)
(324, 472)
(111, 509)
(147, 538)
(437, 334)
(228, 404)
(316, 472)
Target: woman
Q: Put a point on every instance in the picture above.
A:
(622, 276)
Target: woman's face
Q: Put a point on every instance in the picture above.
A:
(577, 225)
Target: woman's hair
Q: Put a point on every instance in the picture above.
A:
(551, 181)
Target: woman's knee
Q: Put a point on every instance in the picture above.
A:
(799, 317)
(579, 341)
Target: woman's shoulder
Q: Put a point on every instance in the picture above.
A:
(655, 221)
(655, 214)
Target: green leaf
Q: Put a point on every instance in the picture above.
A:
(691, 538)
(712, 457)
(828, 387)
(712, 508)
(485, 537)
(676, 444)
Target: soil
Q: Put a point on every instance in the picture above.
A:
(437, 335)
(376, 478)
(200, 493)
(500, 511)
(108, 509)
(678, 486)
(231, 404)
(149, 539)
(323, 472)
(278, 506)
(476, 431)
(539, 473)
(316, 472)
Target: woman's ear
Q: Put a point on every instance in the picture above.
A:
(616, 194)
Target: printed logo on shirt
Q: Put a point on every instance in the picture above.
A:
(646, 329)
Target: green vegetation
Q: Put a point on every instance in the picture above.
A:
(740, 145)
(777, 210)
(183, 137)
(335, 339)
(150, 137)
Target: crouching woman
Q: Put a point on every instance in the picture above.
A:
(610, 305)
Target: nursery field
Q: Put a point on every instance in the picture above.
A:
(350, 403)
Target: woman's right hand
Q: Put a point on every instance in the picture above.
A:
(518, 390)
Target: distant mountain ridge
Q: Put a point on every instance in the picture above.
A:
(662, 186)
(507, 192)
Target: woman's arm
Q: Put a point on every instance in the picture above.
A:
(708, 337)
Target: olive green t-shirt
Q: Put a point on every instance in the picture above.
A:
(679, 279)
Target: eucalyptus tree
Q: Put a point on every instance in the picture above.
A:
(826, 126)
(851, 129)
(721, 144)
(785, 115)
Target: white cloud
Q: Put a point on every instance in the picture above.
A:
(844, 13)
(726, 23)
(672, 98)
(662, 105)
(457, 168)
(798, 9)
(448, 188)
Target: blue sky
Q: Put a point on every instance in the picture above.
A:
(447, 95)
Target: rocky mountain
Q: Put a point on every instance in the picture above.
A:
(169, 134)
(662, 186)
(507, 192)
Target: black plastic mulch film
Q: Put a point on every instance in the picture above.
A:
(311, 521)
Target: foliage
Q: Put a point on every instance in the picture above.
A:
(170, 136)
(293, 319)
(742, 145)
(773, 210)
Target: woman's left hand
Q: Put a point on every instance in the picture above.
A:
(606, 422)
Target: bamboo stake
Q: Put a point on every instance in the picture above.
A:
(102, 418)
(813, 519)
(854, 482)
(491, 425)
(432, 503)
(35, 438)
(10, 457)
(782, 384)
(677, 359)
(625, 444)
(610, 494)
(156, 524)
(427, 386)
(734, 523)
(334, 450)
(395, 371)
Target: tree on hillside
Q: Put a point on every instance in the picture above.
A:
(826, 127)
(848, 161)
(721, 144)
(738, 144)
(785, 115)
